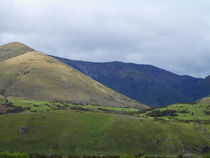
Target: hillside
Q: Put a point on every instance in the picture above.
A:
(34, 75)
(90, 130)
(145, 83)
(98, 133)
(205, 100)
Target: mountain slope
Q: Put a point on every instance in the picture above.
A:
(145, 83)
(34, 75)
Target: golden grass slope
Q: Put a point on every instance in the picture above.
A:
(34, 75)
(205, 100)
(13, 49)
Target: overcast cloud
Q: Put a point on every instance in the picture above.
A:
(171, 34)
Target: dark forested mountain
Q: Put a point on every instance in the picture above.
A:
(145, 83)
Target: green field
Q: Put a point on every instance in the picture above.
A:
(93, 133)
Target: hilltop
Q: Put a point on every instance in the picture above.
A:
(28, 74)
(13, 49)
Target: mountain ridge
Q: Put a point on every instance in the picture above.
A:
(34, 75)
(145, 83)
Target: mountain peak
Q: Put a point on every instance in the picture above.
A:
(15, 45)
(13, 49)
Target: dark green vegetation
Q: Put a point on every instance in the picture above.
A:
(144, 83)
(34, 75)
(93, 133)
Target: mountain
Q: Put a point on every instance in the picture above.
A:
(28, 74)
(145, 83)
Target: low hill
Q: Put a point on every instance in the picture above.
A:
(34, 75)
(205, 100)
(145, 83)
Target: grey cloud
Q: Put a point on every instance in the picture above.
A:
(173, 35)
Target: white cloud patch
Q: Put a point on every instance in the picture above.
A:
(173, 35)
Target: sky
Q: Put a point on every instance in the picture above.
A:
(170, 34)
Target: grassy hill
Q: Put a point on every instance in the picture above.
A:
(34, 75)
(93, 133)
(145, 83)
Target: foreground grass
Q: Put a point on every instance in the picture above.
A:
(35, 155)
(94, 133)
(13, 155)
